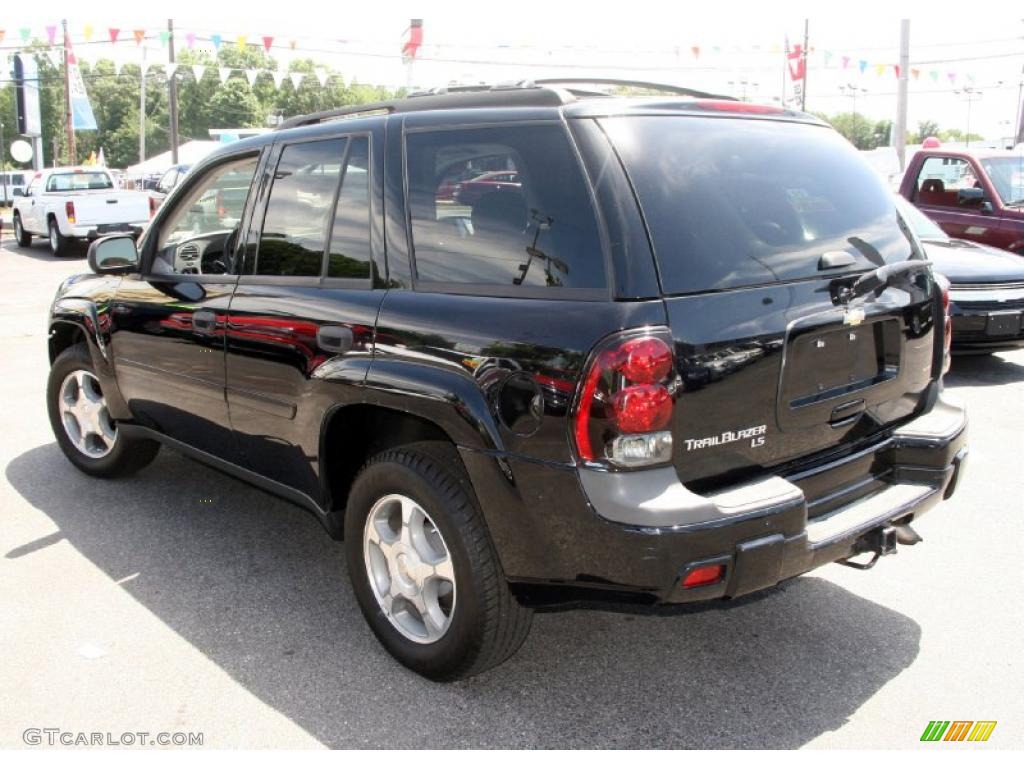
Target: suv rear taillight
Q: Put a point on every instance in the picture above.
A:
(624, 408)
(947, 327)
(69, 211)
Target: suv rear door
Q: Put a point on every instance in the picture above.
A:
(758, 226)
(300, 331)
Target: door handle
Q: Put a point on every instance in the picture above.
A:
(204, 320)
(335, 338)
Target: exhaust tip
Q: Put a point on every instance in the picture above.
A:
(906, 535)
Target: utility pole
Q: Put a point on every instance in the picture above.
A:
(803, 92)
(68, 115)
(3, 162)
(142, 108)
(901, 93)
(173, 100)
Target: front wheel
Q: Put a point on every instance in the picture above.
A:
(82, 423)
(24, 238)
(59, 245)
(423, 568)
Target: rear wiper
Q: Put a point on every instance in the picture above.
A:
(878, 279)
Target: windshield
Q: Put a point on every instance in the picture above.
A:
(923, 227)
(82, 180)
(1007, 176)
(733, 202)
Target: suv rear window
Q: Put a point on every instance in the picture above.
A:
(733, 203)
(505, 207)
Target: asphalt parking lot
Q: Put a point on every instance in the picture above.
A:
(183, 600)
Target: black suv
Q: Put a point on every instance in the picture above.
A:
(691, 352)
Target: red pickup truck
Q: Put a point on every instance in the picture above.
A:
(971, 195)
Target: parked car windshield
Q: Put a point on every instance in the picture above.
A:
(79, 181)
(1007, 176)
(738, 202)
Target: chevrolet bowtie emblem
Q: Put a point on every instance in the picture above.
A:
(853, 316)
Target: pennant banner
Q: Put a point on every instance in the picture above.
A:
(139, 34)
(251, 75)
(225, 73)
(296, 78)
(216, 40)
(321, 75)
(278, 78)
(190, 40)
(267, 42)
(114, 32)
(198, 70)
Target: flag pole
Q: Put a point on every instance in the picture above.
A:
(68, 115)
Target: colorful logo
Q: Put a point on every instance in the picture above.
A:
(958, 730)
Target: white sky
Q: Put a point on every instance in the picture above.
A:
(638, 39)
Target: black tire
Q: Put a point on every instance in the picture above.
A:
(24, 238)
(488, 624)
(59, 245)
(127, 455)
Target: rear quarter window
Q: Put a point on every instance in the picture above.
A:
(732, 203)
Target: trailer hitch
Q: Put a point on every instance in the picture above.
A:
(878, 541)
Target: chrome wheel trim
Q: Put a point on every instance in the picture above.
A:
(53, 237)
(84, 414)
(409, 568)
(18, 232)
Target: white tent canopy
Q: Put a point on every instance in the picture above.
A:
(189, 153)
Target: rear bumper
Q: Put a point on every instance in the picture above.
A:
(642, 532)
(92, 231)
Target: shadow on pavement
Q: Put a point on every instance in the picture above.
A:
(983, 371)
(40, 249)
(260, 585)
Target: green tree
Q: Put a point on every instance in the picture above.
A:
(925, 128)
(859, 130)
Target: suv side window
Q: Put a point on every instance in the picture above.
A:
(501, 207)
(199, 233)
(298, 215)
(349, 254)
(941, 178)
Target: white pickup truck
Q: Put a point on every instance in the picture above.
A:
(65, 204)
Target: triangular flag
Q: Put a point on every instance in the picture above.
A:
(172, 67)
(896, 69)
(970, 78)
(118, 66)
(292, 44)
(164, 37)
(951, 76)
(828, 57)
(267, 42)
(2, 33)
(240, 42)
(915, 73)
(190, 40)
(114, 32)
(278, 78)
(695, 50)
(216, 40)
(56, 58)
(879, 69)
(225, 73)
(862, 65)
(296, 78)
(321, 75)
(846, 61)
(138, 34)
(934, 75)
(251, 75)
(198, 70)
(51, 33)
(26, 33)
(87, 31)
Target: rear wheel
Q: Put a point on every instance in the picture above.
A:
(59, 245)
(423, 568)
(81, 420)
(24, 238)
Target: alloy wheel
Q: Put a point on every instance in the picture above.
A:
(85, 416)
(410, 568)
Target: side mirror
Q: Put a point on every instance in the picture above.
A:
(113, 255)
(986, 207)
(971, 197)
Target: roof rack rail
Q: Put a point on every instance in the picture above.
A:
(520, 93)
(662, 87)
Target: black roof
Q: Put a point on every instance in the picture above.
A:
(535, 93)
